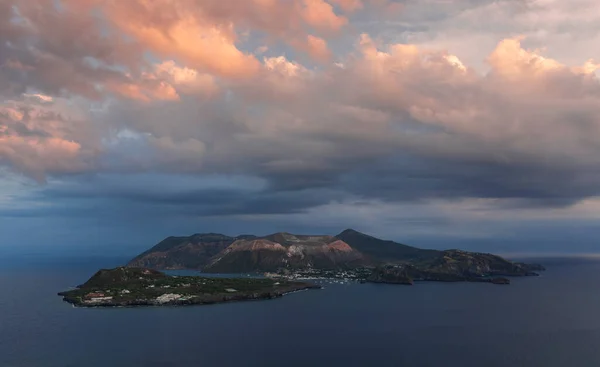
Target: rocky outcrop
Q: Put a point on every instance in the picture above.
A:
(531, 267)
(284, 250)
(473, 264)
(245, 256)
(454, 266)
(502, 281)
(407, 274)
(390, 274)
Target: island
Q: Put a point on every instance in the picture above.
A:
(349, 255)
(286, 262)
(126, 286)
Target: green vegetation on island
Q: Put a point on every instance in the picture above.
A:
(125, 286)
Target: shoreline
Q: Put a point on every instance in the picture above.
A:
(193, 301)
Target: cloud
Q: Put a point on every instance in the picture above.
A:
(316, 47)
(271, 90)
(37, 139)
(349, 5)
(114, 39)
(471, 29)
(185, 79)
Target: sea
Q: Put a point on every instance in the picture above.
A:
(551, 320)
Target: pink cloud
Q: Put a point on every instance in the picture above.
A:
(205, 35)
(320, 15)
(115, 37)
(205, 95)
(157, 91)
(315, 47)
(36, 139)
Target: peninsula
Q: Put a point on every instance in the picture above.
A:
(124, 286)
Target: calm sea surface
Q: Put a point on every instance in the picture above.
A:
(552, 320)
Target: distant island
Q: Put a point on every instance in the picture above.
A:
(353, 253)
(283, 259)
(126, 287)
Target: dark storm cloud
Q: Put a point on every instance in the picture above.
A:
(151, 196)
(526, 185)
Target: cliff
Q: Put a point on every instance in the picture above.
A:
(289, 252)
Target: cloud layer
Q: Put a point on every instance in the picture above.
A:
(314, 104)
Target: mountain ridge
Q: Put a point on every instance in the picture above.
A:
(201, 249)
(284, 251)
(384, 250)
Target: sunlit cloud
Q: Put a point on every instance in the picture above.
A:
(476, 108)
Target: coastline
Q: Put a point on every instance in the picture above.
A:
(195, 300)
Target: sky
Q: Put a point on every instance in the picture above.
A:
(468, 124)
